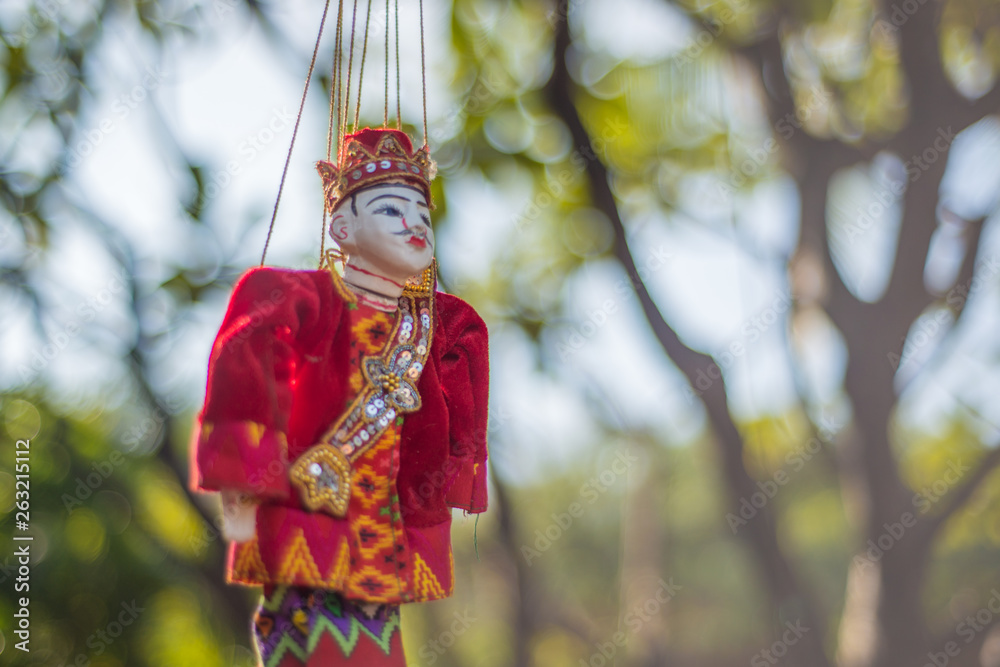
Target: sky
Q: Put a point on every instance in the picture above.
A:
(231, 102)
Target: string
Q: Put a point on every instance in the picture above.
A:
(385, 111)
(399, 116)
(334, 93)
(322, 236)
(338, 65)
(475, 536)
(364, 56)
(423, 67)
(335, 83)
(295, 132)
(350, 69)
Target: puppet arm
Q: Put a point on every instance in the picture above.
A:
(239, 515)
(465, 378)
(240, 439)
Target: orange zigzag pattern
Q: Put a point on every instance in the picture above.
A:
(298, 563)
(425, 583)
(341, 567)
(248, 566)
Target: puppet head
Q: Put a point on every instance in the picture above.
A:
(380, 201)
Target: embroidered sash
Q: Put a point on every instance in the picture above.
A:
(323, 473)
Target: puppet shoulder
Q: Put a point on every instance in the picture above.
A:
(276, 285)
(459, 322)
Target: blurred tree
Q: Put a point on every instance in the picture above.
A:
(873, 548)
(117, 529)
(845, 86)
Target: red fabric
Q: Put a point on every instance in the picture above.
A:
(272, 316)
(228, 463)
(281, 361)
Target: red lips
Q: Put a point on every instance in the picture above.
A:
(417, 241)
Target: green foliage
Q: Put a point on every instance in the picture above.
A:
(134, 538)
(116, 570)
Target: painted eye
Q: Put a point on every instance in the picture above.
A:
(426, 219)
(389, 209)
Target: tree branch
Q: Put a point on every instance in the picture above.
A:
(783, 586)
(958, 499)
(813, 173)
(525, 622)
(869, 463)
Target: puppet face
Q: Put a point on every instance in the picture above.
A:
(386, 229)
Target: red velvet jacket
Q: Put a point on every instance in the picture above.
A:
(278, 379)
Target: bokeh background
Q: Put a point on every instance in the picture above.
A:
(740, 261)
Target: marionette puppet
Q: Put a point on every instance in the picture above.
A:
(345, 416)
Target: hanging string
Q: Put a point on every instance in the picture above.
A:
(322, 239)
(361, 74)
(423, 67)
(339, 62)
(399, 116)
(295, 132)
(339, 91)
(385, 112)
(335, 84)
(350, 69)
(475, 536)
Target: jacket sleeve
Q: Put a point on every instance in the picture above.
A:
(240, 437)
(465, 381)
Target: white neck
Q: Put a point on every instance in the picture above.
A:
(372, 284)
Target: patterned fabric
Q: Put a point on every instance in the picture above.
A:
(305, 626)
(372, 552)
(373, 560)
(286, 364)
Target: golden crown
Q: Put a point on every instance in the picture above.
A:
(374, 156)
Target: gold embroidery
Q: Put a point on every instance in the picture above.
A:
(255, 432)
(299, 564)
(322, 473)
(426, 584)
(247, 563)
(323, 477)
(341, 567)
(391, 380)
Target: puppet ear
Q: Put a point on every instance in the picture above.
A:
(343, 228)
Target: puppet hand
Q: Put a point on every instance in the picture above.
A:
(239, 516)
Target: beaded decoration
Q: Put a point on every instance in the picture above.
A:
(323, 473)
(362, 166)
(323, 476)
